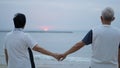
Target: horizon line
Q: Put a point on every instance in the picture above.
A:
(40, 31)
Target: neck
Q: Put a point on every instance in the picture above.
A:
(18, 29)
(106, 22)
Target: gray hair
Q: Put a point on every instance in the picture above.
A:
(108, 13)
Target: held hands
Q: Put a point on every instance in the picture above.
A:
(59, 57)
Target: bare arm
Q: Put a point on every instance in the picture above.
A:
(43, 51)
(6, 56)
(76, 47)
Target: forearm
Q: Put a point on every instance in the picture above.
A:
(42, 50)
(76, 47)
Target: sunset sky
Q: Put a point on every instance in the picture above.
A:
(62, 15)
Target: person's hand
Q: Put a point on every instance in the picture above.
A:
(59, 57)
(56, 56)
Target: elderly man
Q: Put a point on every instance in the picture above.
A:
(105, 41)
(17, 44)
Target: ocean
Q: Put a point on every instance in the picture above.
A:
(57, 42)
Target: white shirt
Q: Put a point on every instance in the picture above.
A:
(17, 43)
(105, 44)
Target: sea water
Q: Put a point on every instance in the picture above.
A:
(57, 42)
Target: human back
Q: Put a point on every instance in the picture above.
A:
(17, 43)
(17, 49)
(105, 44)
(106, 39)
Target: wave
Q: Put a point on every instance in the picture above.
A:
(68, 59)
(49, 58)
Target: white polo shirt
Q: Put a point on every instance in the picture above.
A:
(17, 43)
(105, 42)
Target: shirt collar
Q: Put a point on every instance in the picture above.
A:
(106, 25)
(18, 29)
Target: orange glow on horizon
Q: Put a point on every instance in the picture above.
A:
(45, 29)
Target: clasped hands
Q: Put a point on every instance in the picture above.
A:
(59, 57)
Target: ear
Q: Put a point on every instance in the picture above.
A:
(101, 18)
(113, 19)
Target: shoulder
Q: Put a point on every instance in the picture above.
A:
(116, 28)
(97, 28)
(8, 34)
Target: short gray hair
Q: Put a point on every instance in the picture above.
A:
(108, 13)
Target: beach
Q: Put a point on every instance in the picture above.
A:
(56, 64)
(63, 64)
(43, 61)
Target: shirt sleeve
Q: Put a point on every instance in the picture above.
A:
(88, 38)
(30, 41)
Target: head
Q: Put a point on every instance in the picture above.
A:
(107, 16)
(19, 20)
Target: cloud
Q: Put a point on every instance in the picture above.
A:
(60, 14)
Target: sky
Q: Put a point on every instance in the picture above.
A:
(60, 15)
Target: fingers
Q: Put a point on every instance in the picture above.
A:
(58, 57)
(61, 57)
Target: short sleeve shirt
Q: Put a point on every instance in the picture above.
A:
(17, 43)
(88, 38)
(105, 41)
